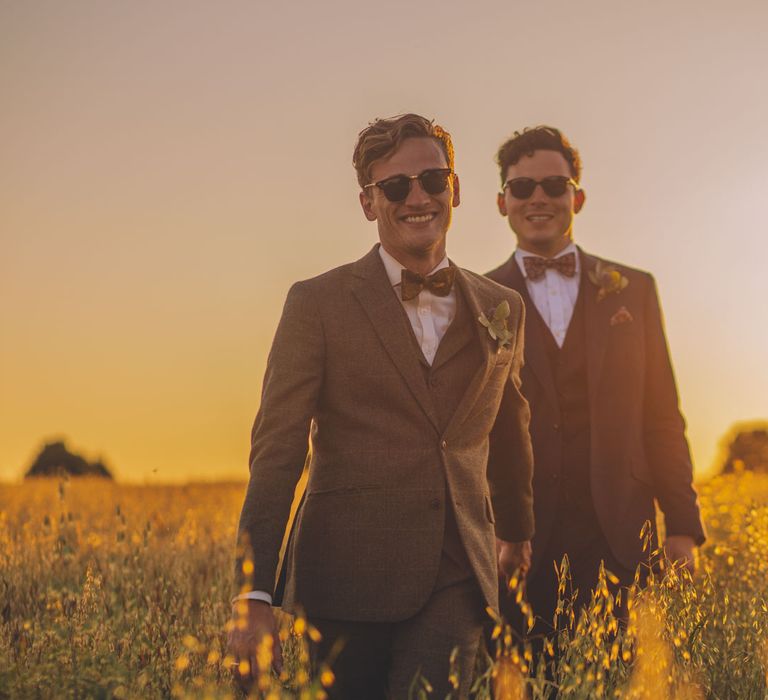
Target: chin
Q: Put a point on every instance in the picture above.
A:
(426, 240)
(544, 240)
(539, 242)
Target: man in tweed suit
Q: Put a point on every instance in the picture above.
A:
(385, 365)
(608, 437)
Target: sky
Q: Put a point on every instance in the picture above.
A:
(169, 169)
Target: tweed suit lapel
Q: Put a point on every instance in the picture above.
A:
(535, 349)
(457, 335)
(373, 290)
(598, 316)
(477, 302)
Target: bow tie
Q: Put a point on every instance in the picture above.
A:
(535, 267)
(439, 283)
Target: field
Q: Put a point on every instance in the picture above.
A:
(123, 591)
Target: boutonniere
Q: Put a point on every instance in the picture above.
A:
(497, 324)
(607, 279)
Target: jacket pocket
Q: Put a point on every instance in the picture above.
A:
(340, 490)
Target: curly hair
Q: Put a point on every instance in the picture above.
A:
(382, 137)
(537, 138)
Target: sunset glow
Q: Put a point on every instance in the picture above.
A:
(170, 169)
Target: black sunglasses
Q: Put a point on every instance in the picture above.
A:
(396, 188)
(553, 186)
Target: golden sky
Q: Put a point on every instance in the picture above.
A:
(168, 169)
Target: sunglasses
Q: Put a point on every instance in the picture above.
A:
(396, 188)
(553, 186)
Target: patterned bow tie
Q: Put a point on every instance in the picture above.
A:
(439, 283)
(535, 267)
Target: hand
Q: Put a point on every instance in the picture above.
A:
(513, 556)
(251, 621)
(680, 548)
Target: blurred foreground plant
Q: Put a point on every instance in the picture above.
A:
(123, 591)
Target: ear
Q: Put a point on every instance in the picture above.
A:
(501, 204)
(579, 197)
(367, 205)
(456, 198)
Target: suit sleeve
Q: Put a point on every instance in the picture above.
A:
(510, 456)
(280, 437)
(666, 447)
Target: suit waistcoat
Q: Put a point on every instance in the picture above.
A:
(569, 372)
(456, 361)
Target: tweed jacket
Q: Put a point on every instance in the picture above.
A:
(638, 448)
(345, 373)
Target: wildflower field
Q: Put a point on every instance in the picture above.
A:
(123, 591)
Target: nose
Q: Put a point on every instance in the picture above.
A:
(538, 196)
(417, 196)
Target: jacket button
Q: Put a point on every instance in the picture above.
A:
(434, 504)
(556, 426)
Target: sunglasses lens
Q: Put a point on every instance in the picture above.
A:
(521, 187)
(434, 181)
(395, 189)
(554, 186)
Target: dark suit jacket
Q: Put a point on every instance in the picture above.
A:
(638, 447)
(368, 539)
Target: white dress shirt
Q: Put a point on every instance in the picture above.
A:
(430, 316)
(553, 294)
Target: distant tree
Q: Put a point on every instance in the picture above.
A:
(746, 448)
(56, 460)
(98, 468)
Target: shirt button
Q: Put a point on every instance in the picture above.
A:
(423, 311)
(443, 444)
(556, 426)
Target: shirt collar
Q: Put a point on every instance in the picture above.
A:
(395, 269)
(570, 248)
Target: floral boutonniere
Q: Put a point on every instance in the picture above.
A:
(607, 279)
(497, 324)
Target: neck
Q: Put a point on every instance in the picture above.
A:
(548, 249)
(421, 262)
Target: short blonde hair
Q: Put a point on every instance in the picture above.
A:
(382, 137)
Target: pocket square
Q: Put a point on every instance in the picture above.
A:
(621, 316)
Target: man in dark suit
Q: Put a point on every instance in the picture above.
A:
(608, 437)
(385, 366)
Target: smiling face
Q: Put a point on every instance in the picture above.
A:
(542, 224)
(412, 231)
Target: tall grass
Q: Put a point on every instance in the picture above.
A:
(123, 591)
